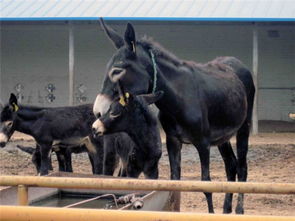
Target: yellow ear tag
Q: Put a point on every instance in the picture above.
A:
(127, 95)
(15, 107)
(122, 101)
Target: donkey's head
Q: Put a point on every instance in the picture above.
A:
(132, 65)
(125, 114)
(7, 120)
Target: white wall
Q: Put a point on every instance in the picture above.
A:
(37, 54)
(276, 73)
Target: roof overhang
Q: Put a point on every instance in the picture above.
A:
(164, 10)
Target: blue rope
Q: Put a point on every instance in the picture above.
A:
(155, 71)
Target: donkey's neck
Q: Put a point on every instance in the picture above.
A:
(170, 101)
(24, 126)
(26, 118)
(145, 136)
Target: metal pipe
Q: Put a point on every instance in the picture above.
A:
(22, 195)
(12, 213)
(144, 184)
(92, 199)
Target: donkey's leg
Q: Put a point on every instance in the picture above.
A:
(45, 150)
(109, 155)
(91, 162)
(68, 160)
(60, 155)
(122, 171)
(174, 152)
(242, 170)
(50, 163)
(36, 158)
(173, 144)
(204, 152)
(96, 154)
(230, 163)
(203, 148)
(96, 161)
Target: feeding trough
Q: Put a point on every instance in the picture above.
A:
(99, 199)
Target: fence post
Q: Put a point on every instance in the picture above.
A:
(22, 195)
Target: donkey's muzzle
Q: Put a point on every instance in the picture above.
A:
(96, 133)
(98, 128)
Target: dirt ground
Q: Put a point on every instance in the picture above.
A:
(271, 158)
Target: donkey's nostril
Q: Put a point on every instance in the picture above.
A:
(2, 144)
(94, 131)
(98, 115)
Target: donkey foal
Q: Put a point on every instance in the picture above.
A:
(130, 114)
(68, 126)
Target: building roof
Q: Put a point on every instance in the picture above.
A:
(233, 10)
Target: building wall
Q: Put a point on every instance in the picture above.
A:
(276, 72)
(36, 55)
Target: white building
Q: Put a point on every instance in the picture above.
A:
(42, 40)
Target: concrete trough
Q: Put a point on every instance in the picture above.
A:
(88, 198)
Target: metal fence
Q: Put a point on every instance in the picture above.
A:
(44, 214)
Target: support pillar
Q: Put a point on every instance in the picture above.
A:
(255, 78)
(71, 64)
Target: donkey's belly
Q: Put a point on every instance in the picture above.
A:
(220, 135)
(74, 142)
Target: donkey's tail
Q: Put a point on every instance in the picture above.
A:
(29, 150)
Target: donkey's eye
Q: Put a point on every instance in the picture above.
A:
(117, 71)
(9, 124)
(115, 114)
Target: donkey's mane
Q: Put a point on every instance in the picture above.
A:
(149, 44)
(31, 108)
(159, 51)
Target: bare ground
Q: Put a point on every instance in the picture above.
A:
(271, 158)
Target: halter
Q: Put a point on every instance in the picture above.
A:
(155, 71)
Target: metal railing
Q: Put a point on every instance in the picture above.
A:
(24, 213)
(37, 213)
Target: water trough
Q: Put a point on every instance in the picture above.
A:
(87, 198)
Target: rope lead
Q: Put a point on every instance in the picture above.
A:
(155, 71)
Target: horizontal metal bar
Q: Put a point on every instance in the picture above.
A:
(144, 184)
(20, 213)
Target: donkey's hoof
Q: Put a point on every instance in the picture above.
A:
(227, 210)
(239, 210)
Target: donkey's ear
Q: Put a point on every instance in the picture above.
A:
(117, 40)
(12, 99)
(152, 98)
(130, 37)
(13, 102)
